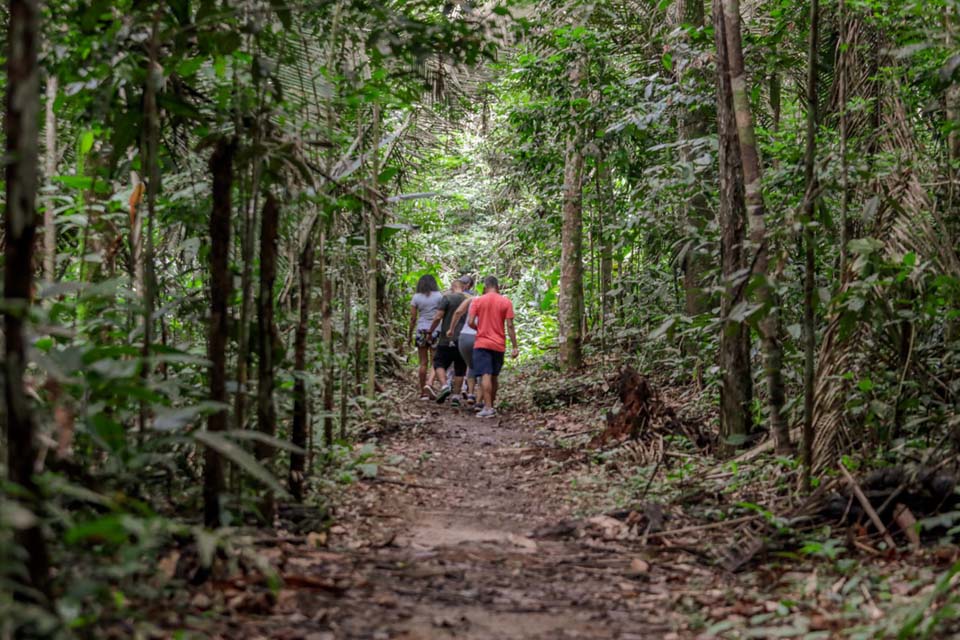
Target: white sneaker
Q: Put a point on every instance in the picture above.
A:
(489, 412)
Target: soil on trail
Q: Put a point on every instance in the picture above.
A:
(463, 535)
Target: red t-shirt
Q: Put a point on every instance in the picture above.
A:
(491, 310)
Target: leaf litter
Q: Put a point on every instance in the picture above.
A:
(522, 527)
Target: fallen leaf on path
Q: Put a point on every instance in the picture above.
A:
(638, 566)
(317, 538)
(522, 541)
(608, 528)
(309, 582)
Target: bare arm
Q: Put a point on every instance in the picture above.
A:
(413, 322)
(437, 317)
(462, 309)
(513, 337)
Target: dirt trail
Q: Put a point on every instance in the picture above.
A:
(444, 544)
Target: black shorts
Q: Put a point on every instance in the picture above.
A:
(448, 354)
(487, 362)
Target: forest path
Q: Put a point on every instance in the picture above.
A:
(464, 535)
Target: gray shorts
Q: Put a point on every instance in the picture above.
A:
(466, 347)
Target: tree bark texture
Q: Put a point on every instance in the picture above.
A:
(21, 128)
(571, 243)
(151, 147)
(267, 337)
(221, 168)
(247, 247)
(300, 398)
(373, 226)
(736, 390)
(694, 125)
(326, 314)
(344, 368)
(50, 169)
(769, 325)
(607, 199)
(809, 208)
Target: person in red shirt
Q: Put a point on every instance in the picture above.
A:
(488, 315)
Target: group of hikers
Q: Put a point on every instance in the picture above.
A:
(462, 331)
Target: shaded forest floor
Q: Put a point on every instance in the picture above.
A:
(514, 528)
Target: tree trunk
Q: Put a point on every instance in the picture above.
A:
(326, 314)
(952, 112)
(809, 208)
(769, 324)
(50, 168)
(605, 182)
(151, 142)
(736, 390)
(266, 338)
(300, 399)
(694, 125)
(843, 77)
(247, 246)
(571, 243)
(221, 168)
(22, 112)
(344, 369)
(374, 221)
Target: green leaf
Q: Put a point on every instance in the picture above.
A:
(81, 183)
(107, 431)
(258, 436)
(387, 175)
(662, 330)
(173, 419)
(367, 469)
(189, 67)
(109, 529)
(241, 458)
(86, 142)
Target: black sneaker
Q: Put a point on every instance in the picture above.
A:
(478, 407)
(443, 395)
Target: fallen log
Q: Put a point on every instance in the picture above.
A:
(865, 503)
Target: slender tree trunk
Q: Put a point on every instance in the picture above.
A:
(571, 243)
(843, 63)
(247, 246)
(221, 168)
(151, 142)
(604, 183)
(300, 399)
(736, 390)
(809, 208)
(775, 100)
(374, 223)
(266, 338)
(952, 112)
(344, 369)
(752, 177)
(20, 125)
(136, 232)
(694, 125)
(326, 314)
(50, 168)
